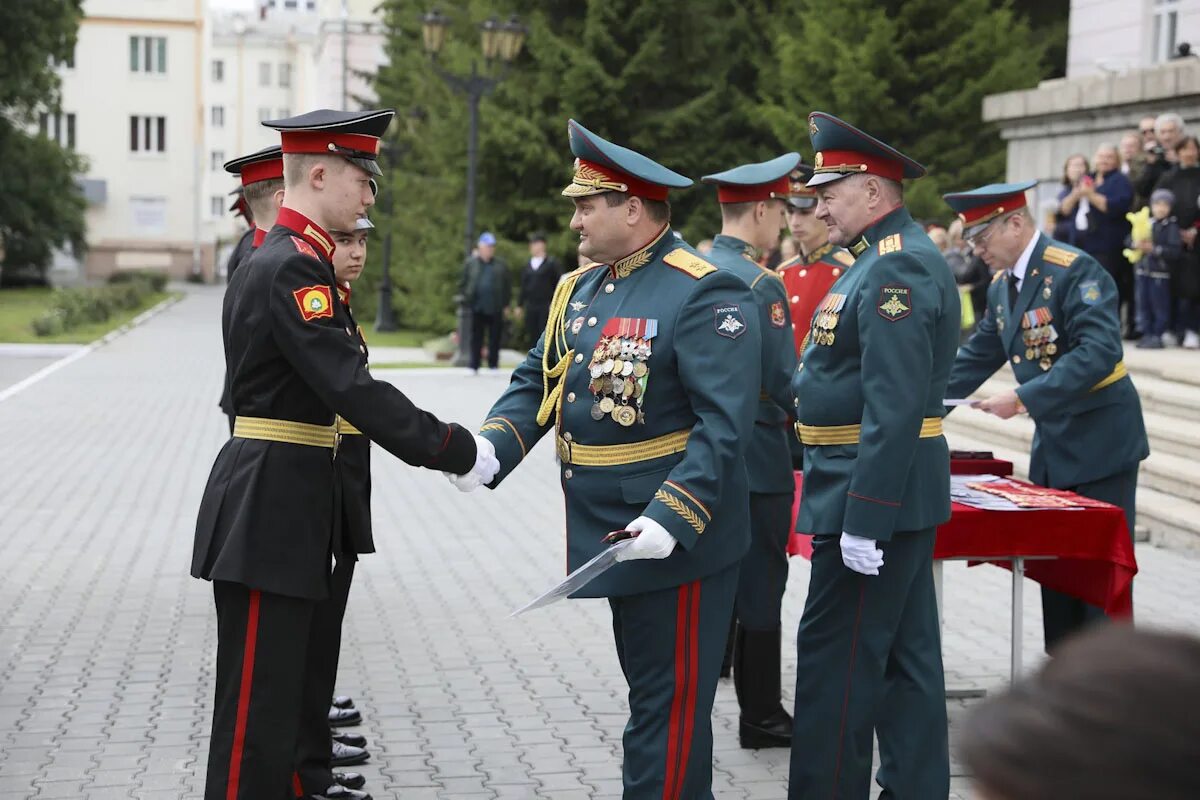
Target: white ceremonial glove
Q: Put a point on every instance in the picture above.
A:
(861, 555)
(652, 541)
(485, 469)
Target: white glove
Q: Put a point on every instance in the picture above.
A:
(861, 555)
(485, 469)
(652, 541)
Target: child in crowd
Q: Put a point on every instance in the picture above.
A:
(1160, 251)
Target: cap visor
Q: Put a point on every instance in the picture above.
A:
(802, 202)
(575, 190)
(369, 164)
(822, 178)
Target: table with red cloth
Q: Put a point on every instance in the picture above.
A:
(1086, 553)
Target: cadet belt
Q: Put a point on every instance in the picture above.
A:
(611, 455)
(345, 428)
(931, 428)
(282, 430)
(1118, 372)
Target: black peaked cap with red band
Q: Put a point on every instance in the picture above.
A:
(354, 135)
(262, 165)
(844, 150)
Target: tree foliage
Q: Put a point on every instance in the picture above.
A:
(699, 85)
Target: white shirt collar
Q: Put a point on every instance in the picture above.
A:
(1022, 264)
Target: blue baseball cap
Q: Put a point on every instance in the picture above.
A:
(487, 238)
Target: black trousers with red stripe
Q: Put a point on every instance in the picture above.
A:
(262, 645)
(670, 643)
(869, 661)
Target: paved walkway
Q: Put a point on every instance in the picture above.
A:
(107, 646)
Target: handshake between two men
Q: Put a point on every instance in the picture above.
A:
(650, 540)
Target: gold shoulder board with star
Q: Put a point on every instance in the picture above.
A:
(688, 263)
(999, 275)
(891, 244)
(1058, 256)
(843, 257)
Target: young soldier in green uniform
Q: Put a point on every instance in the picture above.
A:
(752, 200)
(269, 517)
(1052, 314)
(648, 375)
(876, 485)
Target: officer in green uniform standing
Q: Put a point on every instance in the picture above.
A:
(648, 375)
(876, 485)
(1052, 314)
(752, 199)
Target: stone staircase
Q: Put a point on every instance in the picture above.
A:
(1168, 381)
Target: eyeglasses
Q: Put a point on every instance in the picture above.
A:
(981, 238)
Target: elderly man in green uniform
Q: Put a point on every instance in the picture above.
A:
(876, 485)
(752, 199)
(1052, 314)
(648, 375)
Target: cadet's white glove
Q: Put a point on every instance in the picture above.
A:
(861, 555)
(652, 541)
(485, 469)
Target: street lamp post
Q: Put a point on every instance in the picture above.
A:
(499, 42)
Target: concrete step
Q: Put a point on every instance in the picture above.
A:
(1174, 364)
(1159, 395)
(1162, 519)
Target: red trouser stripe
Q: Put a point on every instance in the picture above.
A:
(243, 708)
(837, 769)
(297, 787)
(683, 703)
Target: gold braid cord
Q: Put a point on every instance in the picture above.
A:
(675, 504)
(556, 339)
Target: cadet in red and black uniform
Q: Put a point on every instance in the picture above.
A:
(240, 208)
(269, 519)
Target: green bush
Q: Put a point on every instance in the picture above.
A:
(49, 323)
(156, 280)
(71, 308)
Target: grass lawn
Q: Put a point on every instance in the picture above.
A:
(402, 338)
(409, 365)
(18, 308)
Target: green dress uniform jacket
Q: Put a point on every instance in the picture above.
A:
(1063, 340)
(690, 331)
(768, 458)
(871, 386)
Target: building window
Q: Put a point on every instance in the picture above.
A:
(1166, 30)
(218, 71)
(289, 3)
(147, 134)
(285, 75)
(264, 73)
(148, 54)
(264, 114)
(311, 5)
(218, 116)
(59, 127)
(216, 160)
(216, 206)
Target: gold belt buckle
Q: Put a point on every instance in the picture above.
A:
(564, 451)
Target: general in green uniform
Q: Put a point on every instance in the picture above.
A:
(876, 486)
(648, 376)
(1052, 314)
(752, 199)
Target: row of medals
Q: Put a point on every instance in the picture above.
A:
(619, 375)
(826, 318)
(1039, 335)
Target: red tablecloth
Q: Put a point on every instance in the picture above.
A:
(980, 466)
(1092, 551)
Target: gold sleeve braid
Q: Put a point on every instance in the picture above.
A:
(556, 339)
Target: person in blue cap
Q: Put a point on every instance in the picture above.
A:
(647, 375)
(1052, 315)
(752, 199)
(870, 387)
(485, 289)
(269, 525)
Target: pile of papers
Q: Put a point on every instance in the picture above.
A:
(993, 493)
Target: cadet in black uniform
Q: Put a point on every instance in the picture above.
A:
(269, 518)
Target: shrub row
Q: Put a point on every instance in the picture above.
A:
(71, 308)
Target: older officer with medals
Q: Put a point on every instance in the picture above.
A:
(1052, 314)
(269, 518)
(876, 485)
(647, 376)
(752, 200)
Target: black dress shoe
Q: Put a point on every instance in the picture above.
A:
(343, 701)
(346, 756)
(340, 717)
(352, 739)
(774, 731)
(351, 780)
(337, 792)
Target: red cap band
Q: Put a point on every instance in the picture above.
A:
(262, 171)
(634, 186)
(854, 162)
(319, 141)
(780, 188)
(975, 216)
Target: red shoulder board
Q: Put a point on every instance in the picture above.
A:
(304, 247)
(314, 302)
